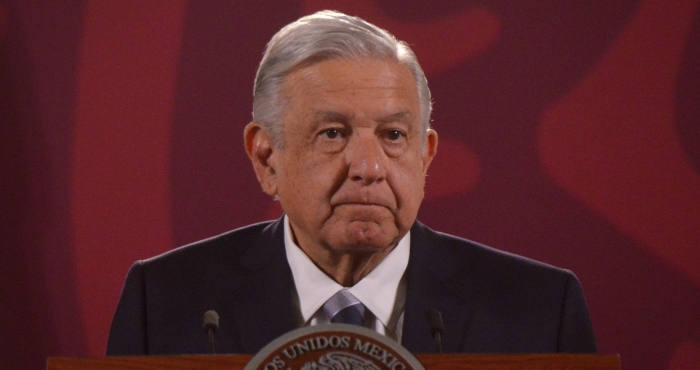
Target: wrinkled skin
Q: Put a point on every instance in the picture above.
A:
(350, 172)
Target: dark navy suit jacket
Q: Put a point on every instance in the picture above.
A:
(491, 301)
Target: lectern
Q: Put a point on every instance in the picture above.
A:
(429, 361)
(341, 347)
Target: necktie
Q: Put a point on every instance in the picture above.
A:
(344, 308)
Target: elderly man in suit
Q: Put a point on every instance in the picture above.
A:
(341, 138)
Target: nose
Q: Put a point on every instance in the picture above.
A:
(366, 159)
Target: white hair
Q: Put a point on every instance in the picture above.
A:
(323, 36)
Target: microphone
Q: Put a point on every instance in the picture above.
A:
(211, 325)
(437, 326)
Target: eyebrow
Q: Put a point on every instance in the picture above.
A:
(403, 116)
(332, 116)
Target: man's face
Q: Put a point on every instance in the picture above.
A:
(350, 173)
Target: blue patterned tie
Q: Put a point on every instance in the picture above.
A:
(344, 308)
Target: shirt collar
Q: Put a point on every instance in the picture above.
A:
(377, 291)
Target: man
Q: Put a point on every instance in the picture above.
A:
(341, 137)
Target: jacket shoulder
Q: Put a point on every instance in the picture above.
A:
(232, 246)
(510, 303)
(464, 252)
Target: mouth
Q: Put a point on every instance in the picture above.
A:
(363, 200)
(361, 212)
(360, 206)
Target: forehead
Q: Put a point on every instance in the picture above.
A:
(366, 86)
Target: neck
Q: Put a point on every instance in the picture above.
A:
(347, 268)
(345, 265)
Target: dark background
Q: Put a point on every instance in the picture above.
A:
(569, 132)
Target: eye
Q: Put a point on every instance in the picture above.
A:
(394, 135)
(332, 133)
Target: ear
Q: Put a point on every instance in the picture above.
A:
(263, 155)
(431, 144)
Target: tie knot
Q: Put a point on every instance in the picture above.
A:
(344, 308)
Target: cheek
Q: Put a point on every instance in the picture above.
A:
(409, 183)
(292, 177)
(314, 178)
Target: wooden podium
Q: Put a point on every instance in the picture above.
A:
(430, 361)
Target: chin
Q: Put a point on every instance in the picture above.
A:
(359, 248)
(367, 238)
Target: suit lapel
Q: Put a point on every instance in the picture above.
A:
(263, 309)
(432, 283)
(263, 304)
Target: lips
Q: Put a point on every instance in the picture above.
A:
(351, 194)
(360, 204)
(363, 201)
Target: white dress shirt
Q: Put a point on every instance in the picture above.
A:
(382, 291)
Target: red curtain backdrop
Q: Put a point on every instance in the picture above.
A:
(569, 133)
